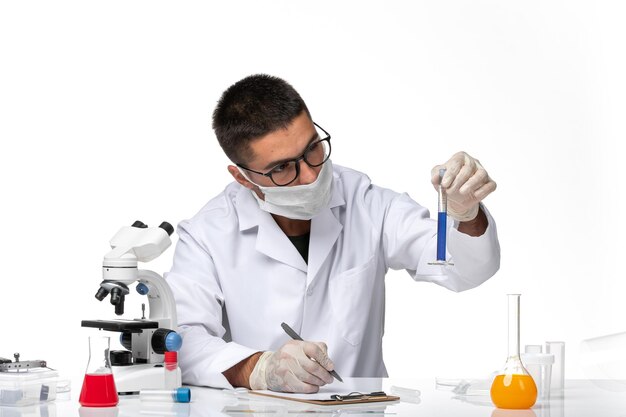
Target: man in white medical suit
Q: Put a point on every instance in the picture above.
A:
(297, 239)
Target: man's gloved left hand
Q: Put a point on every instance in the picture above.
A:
(466, 183)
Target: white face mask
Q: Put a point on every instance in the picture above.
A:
(300, 202)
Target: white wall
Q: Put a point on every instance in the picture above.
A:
(105, 118)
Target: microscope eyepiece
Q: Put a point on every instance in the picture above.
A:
(167, 227)
(139, 224)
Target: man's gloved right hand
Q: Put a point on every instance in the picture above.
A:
(466, 182)
(296, 367)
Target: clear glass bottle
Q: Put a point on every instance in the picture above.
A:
(98, 386)
(514, 388)
(171, 380)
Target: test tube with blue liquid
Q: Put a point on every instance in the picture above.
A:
(442, 220)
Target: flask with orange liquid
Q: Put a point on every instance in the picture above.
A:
(514, 388)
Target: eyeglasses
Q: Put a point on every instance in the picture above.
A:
(314, 155)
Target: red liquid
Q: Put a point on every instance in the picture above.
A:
(98, 391)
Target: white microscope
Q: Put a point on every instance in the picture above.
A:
(142, 365)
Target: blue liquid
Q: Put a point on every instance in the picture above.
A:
(441, 235)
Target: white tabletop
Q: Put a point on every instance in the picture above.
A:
(580, 398)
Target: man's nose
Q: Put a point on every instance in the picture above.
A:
(307, 174)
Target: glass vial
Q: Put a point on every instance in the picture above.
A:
(98, 385)
(514, 388)
(178, 395)
(171, 371)
(558, 370)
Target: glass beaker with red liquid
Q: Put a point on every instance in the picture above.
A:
(514, 388)
(98, 386)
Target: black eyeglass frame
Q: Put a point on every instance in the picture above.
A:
(297, 160)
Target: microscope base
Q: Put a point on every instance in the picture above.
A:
(133, 378)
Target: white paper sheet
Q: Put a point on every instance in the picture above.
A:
(362, 385)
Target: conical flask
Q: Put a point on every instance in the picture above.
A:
(514, 388)
(98, 386)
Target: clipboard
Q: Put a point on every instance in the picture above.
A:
(336, 399)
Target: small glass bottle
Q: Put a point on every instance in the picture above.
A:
(514, 388)
(171, 371)
(98, 385)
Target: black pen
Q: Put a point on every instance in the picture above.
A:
(296, 336)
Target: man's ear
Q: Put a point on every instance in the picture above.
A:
(238, 176)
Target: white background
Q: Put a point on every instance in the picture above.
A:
(105, 118)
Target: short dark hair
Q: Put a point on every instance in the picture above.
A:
(251, 108)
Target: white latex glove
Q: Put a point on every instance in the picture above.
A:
(296, 367)
(466, 183)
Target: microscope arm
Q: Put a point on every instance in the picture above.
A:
(160, 299)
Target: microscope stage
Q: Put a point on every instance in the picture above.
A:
(131, 326)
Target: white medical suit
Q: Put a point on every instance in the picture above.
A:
(236, 276)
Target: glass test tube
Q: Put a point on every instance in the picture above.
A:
(442, 220)
(171, 380)
(178, 395)
(442, 215)
(558, 369)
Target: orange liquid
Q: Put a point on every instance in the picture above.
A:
(514, 391)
